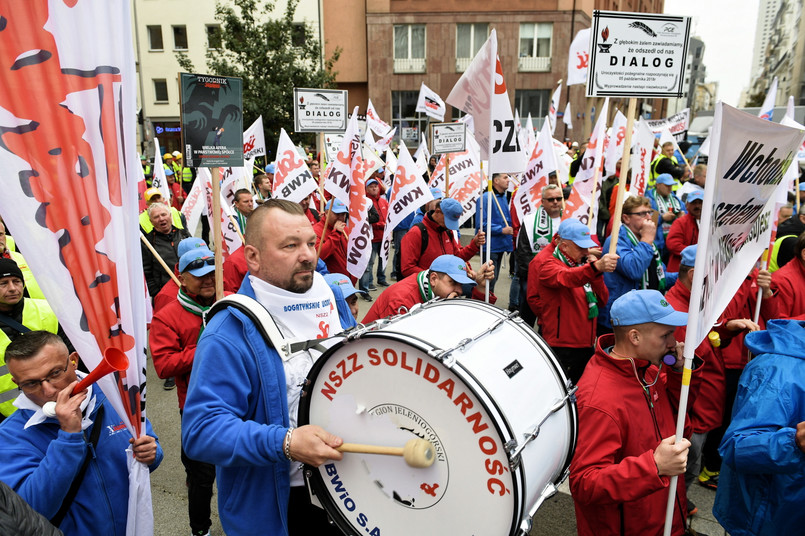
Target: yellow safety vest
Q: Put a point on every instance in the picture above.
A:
(36, 315)
(652, 179)
(30, 283)
(187, 174)
(145, 221)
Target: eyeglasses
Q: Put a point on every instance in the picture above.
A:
(32, 386)
(199, 263)
(642, 214)
(552, 199)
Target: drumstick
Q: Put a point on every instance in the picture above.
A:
(416, 452)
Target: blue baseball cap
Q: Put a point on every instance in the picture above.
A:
(190, 243)
(643, 306)
(695, 195)
(438, 194)
(168, 172)
(452, 212)
(343, 282)
(338, 207)
(665, 178)
(802, 187)
(198, 262)
(575, 231)
(689, 256)
(372, 181)
(271, 168)
(453, 266)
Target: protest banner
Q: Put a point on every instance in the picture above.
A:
(320, 110)
(67, 136)
(292, 179)
(254, 140)
(676, 124)
(337, 180)
(542, 162)
(583, 201)
(748, 160)
(408, 193)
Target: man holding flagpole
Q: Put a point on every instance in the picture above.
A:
(501, 235)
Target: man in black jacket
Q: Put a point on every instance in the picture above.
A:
(165, 239)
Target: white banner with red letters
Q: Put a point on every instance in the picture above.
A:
(677, 124)
(292, 178)
(339, 171)
(67, 147)
(193, 205)
(582, 195)
(254, 140)
(641, 159)
(408, 193)
(617, 137)
(542, 162)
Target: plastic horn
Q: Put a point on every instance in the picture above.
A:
(416, 452)
(113, 359)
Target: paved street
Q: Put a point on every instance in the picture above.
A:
(555, 518)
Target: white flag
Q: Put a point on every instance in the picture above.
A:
(408, 193)
(339, 173)
(767, 110)
(422, 157)
(230, 240)
(373, 121)
(194, 203)
(581, 197)
(554, 107)
(371, 162)
(517, 124)
(159, 180)
(254, 140)
(430, 103)
(540, 165)
(617, 138)
(641, 159)
(567, 118)
(578, 58)
(385, 142)
(292, 178)
(391, 165)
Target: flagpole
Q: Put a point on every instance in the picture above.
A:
(216, 228)
(446, 175)
(796, 191)
(596, 177)
(321, 176)
(159, 259)
(488, 228)
(237, 228)
(324, 229)
(627, 153)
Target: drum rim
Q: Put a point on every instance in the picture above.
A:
(313, 474)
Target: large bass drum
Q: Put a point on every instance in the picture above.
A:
(481, 386)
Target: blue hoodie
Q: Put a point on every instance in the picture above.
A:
(761, 488)
(40, 464)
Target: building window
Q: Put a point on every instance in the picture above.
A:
(180, 37)
(213, 36)
(409, 48)
(298, 34)
(155, 38)
(534, 102)
(535, 46)
(160, 90)
(410, 125)
(469, 40)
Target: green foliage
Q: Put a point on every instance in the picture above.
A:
(272, 56)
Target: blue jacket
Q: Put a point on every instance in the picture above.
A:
(498, 241)
(41, 462)
(761, 489)
(633, 262)
(236, 417)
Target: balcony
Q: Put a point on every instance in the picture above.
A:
(530, 64)
(409, 65)
(462, 64)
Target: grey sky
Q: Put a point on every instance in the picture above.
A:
(727, 28)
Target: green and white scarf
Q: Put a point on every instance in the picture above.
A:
(653, 279)
(192, 306)
(663, 204)
(542, 234)
(425, 292)
(592, 300)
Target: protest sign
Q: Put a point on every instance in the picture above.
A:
(319, 110)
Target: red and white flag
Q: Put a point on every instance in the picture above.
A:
(159, 180)
(385, 142)
(481, 92)
(540, 165)
(371, 161)
(617, 137)
(373, 121)
(641, 159)
(234, 179)
(67, 131)
(408, 193)
(254, 140)
(582, 197)
(430, 103)
(230, 239)
(767, 110)
(194, 204)
(578, 58)
(292, 178)
(338, 178)
(465, 183)
(553, 109)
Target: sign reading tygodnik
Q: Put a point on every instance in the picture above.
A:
(212, 120)
(448, 137)
(319, 110)
(637, 55)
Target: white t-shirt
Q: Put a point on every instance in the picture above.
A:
(299, 317)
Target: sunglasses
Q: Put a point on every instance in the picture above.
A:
(199, 263)
(552, 199)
